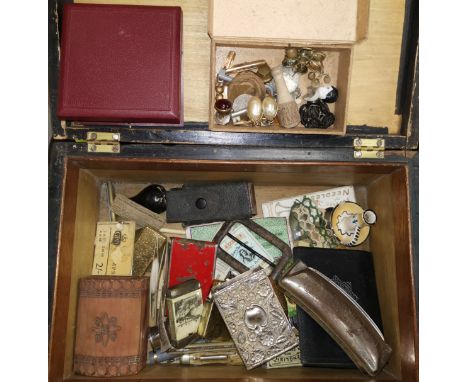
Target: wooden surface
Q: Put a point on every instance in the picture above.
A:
(374, 75)
(87, 209)
(383, 238)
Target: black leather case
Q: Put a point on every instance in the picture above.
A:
(205, 203)
(353, 271)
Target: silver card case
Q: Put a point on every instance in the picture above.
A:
(254, 317)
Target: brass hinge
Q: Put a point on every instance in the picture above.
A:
(369, 148)
(99, 142)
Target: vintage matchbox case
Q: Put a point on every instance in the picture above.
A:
(254, 317)
(184, 305)
(192, 259)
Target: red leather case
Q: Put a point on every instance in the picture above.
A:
(192, 259)
(121, 64)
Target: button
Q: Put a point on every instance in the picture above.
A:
(200, 203)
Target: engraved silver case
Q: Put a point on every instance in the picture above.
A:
(254, 318)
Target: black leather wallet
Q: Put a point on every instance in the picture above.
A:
(205, 203)
(353, 271)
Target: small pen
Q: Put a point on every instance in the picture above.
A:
(195, 359)
(199, 360)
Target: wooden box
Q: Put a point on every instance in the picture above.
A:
(384, 187)
(381, 97)
(263, 29)
(82, 158)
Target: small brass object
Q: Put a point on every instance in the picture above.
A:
(290, 56)
(264, 72)
(315, 82)
(149, 243)
(318, 56)
(245, 66)
(229, 59)
(315, 65)
(291, 52)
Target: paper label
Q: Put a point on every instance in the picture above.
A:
(291, 358)
(113, 248)
(322, 199)
(101, 249)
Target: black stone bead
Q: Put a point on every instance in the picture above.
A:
(152, 197)
(332, 95)
(316, 115)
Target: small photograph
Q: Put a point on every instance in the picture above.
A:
(188, 310)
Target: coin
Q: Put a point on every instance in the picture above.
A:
(241, 102)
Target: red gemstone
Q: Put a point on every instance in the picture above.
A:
(223, 105)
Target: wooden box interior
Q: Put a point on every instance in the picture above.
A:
(382, 187)
(373, 82)
(337, 65)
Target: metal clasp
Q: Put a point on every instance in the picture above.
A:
(369, 148)
(99, 142)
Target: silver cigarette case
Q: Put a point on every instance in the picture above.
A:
(254, 317)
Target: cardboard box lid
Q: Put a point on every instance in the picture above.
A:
(319, 21)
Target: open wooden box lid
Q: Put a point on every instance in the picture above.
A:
(383, 89)
(314, 21)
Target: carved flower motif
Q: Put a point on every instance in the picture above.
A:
(105, 329)
(256, 357)
(267, 339)
(241, 338)
(264, 290)
(252, 337)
